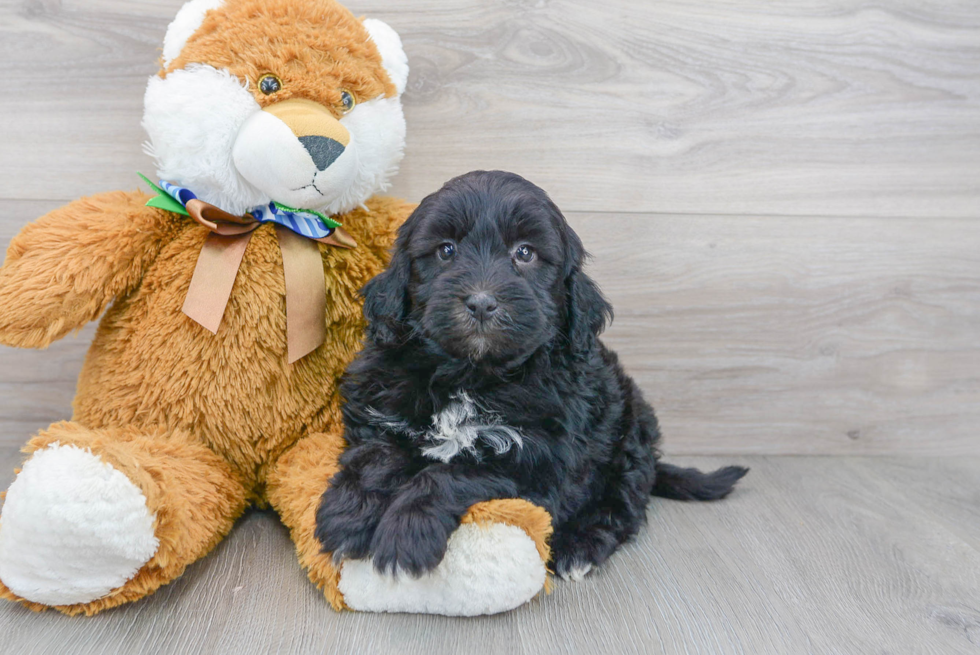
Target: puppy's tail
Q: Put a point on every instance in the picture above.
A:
(691, 484)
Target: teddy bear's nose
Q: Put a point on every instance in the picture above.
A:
(323, 150)
(323, 136)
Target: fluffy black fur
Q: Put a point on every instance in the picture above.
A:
(486, 295)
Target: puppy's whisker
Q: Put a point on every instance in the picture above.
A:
(506, 319)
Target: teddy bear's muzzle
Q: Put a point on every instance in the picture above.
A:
(296, 151)
(323, 136)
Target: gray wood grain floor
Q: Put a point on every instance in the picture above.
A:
(783, 202)
(798, 336)
(810, 555)
(841, 107)
(782, 197)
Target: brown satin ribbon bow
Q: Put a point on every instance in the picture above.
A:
(217, 267)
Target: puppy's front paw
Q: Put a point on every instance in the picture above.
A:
(578, 551)
(345, 525)
(345, 541)
(411, 542)
(571, 571)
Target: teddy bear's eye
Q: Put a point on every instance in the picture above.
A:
(269, 84)
(347, 100)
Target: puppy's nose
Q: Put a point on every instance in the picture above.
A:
(482, 305)
(323, 150)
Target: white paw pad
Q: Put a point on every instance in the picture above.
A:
(486, 570)
(73, 528)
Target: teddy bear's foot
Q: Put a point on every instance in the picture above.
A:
(74, 528)
(101, 517)
(487, 569)
(495, 562)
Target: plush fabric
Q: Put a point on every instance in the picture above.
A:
(183, 26)
(496, 580)
(478, 557)
(153, 373)
(315, 48)
(64, 490)
(193, 495)
(176, 430)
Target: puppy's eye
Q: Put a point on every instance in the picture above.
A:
(269, 84)
(446, 251)
(347, 100)
(524, 253)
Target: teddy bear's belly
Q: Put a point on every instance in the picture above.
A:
(152, 366)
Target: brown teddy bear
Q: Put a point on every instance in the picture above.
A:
(231, 309)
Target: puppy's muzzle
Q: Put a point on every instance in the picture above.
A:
(323, 136)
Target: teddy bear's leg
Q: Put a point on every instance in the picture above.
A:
(496, 559)
(294, 487)
(97, 518)
(495, 562)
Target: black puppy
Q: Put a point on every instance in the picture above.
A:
(483, 377)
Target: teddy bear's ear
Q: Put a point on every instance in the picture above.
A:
(392, 54)
(185, 23)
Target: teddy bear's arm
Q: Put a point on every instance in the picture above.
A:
(64, 269)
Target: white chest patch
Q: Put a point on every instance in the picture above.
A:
(458, 428)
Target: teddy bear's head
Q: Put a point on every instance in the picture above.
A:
(293, 101)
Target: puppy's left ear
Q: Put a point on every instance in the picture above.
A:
(386, 299)
(587, 310)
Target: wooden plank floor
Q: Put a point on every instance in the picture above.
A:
(810, 555)
(820, 107)
(782, 198)
(783, 204)
(805, 335)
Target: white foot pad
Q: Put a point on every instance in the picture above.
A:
(73, 528)
(486, 570)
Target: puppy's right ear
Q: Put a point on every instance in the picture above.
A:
(386, 300)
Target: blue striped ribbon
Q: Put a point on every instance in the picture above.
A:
(311, 225)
